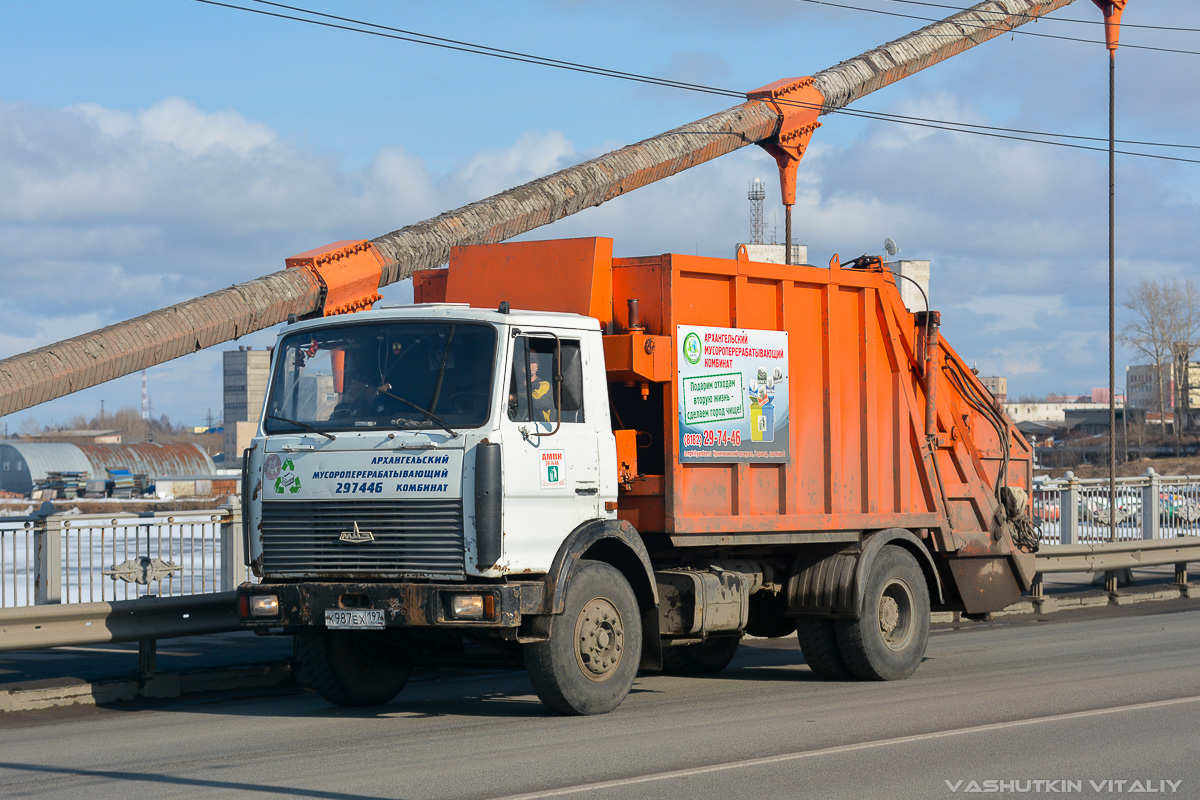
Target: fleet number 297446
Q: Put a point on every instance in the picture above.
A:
(352, 487)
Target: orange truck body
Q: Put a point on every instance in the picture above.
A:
(866, 449)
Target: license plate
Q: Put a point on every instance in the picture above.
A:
(358, 618)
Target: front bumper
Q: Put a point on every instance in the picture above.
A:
(406, 605)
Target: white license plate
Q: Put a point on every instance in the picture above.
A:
(358, 618)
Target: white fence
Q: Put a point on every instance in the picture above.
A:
(51, 558)
(1150, 506)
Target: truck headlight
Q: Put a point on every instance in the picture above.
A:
(472, 606)
(264, 605)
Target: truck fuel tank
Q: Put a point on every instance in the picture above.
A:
(694, 603)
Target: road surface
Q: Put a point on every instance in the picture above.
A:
(1085, 704)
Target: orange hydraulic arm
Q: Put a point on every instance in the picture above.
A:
(1112, 10)
(798, 103)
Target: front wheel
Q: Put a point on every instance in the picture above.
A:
(888, 642)
(351, 668)
(588, 664)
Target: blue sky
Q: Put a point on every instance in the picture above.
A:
(153, 151)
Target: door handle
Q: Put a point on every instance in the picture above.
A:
(586, 490)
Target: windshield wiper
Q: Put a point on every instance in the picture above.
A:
(303, 425)
(425, 411)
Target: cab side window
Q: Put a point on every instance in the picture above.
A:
(532, 393)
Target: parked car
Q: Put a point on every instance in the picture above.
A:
(1095, 510)
(1178, 508)
(1046, 509)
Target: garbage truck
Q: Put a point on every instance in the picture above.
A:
(595, 465)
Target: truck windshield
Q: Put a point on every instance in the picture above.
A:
(413, 375)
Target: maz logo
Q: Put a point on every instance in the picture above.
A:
(356, 536)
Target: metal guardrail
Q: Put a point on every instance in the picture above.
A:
(146, 619)
(1107, 556)
(1111, 557)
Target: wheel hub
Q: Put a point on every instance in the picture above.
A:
(896, 623)
(889, 615)
(599, 638)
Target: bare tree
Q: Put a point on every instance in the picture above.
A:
(1164, 326)
(1186, 342)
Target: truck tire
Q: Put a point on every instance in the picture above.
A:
(888, 642)
(350, 668)
(819, 644)
(588, 664)
(705, 658)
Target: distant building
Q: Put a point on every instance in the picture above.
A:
(1043, 433)
(245, 390)
(22, 464)
(1091, 422)
(997, 385)
(75, 437)
(917, 272)
(773, 253)
(1050, 414)
(1142, 386)
(1100, 395)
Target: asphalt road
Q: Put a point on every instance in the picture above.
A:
(1079, 703)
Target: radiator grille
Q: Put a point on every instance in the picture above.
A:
(422, 537)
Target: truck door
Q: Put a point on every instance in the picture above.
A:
(551, 469)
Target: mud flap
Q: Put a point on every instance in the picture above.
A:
(1024, 567)
(986, 584)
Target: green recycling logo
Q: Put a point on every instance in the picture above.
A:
(288, 478)
(691, 348)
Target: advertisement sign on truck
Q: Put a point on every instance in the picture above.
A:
(733, 395)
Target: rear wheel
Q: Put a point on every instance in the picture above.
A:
(818, 643)
(351, 668)
(588, 664)
(888, 642)
(704, 658)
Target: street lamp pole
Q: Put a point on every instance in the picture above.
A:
(1112, 10)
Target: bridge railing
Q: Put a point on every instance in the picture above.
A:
(1072, 511)
(53, 558)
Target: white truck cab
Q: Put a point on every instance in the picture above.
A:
(366, 460)
(433, 472)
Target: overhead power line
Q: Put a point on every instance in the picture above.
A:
(989, 27)
(1124, 25)
(353, 25)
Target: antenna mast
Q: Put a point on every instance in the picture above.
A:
(755, 196)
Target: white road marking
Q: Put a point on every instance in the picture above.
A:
(846, 748)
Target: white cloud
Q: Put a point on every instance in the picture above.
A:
(535, 154)
(1002, 313)
(176, 123)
